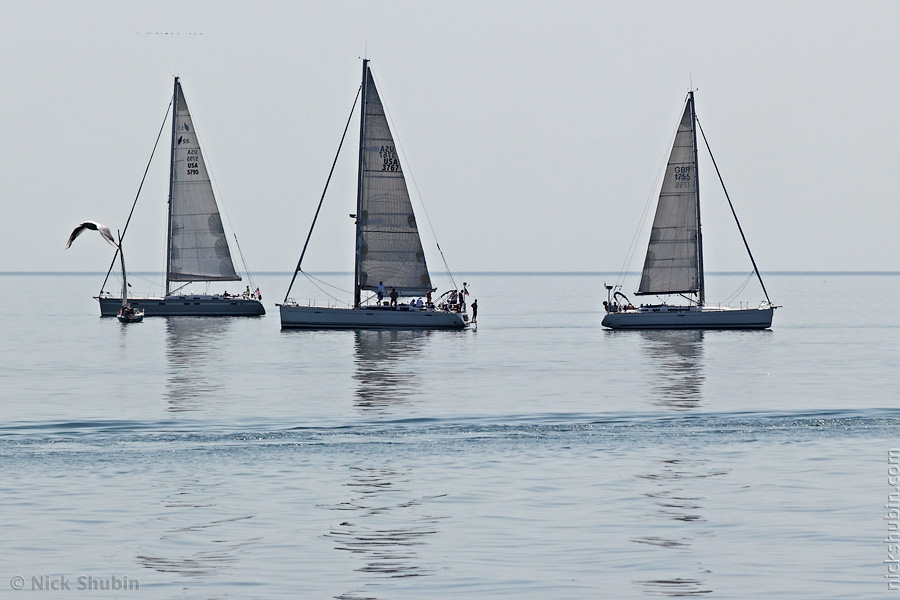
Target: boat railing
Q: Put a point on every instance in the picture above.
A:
(313, 302)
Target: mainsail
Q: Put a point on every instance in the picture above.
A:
(388, 246)
(198, 249)
(674, 263)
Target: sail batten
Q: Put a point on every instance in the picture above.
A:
(389, 249)
(198, 248)
(672, 264)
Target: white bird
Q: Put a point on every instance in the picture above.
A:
(103, 229)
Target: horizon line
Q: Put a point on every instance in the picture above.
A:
(501, 273)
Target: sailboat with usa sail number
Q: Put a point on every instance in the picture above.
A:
(197, 249)
(390, 261)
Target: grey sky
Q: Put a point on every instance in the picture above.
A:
(534, 130)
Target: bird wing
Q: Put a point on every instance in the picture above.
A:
(75, 233)
(103, 229)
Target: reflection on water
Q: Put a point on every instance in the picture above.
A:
(382, 522)
(192, 347)
(675, 588)
(676, 359)
(199, 537)
(385, 366)
(678, 524)
(383, 525)
(675, 480)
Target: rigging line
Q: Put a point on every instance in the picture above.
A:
(323, 282)
(180, 287)
(727, 197)
(654, 191)
(313, 279)
(416, 186)
(629, 257)
(739, 290)
(322, 199)
(135, 276)
(140, 187)
(241, 254)
(150, 281)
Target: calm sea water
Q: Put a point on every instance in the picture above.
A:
(538, 456)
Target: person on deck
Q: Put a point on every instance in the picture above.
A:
(475, 310)
(380, 291)
(394, 296)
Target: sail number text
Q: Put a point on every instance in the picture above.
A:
(389, 159)
(193, 167)
(682, 177)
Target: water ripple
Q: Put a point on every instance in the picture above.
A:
(831, 423)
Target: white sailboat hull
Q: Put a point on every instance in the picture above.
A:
(682, 317)
(318, 317)
(186, 306)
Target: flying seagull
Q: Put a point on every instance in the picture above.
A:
(103, 229)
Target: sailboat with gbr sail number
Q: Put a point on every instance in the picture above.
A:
(674, 260)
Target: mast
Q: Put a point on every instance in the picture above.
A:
(171, 184)
(357, 291)
(124, 280)
(700, 285)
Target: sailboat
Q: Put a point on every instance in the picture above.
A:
(127, 313)
(390, 260)
(196, 247)
(674, 260)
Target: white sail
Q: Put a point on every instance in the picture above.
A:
(673, 260)
(198, 249)
(388, 244)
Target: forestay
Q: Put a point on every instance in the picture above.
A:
(388, 244)
(672, 264)
(198, 249)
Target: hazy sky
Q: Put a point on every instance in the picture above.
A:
(534, 131)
